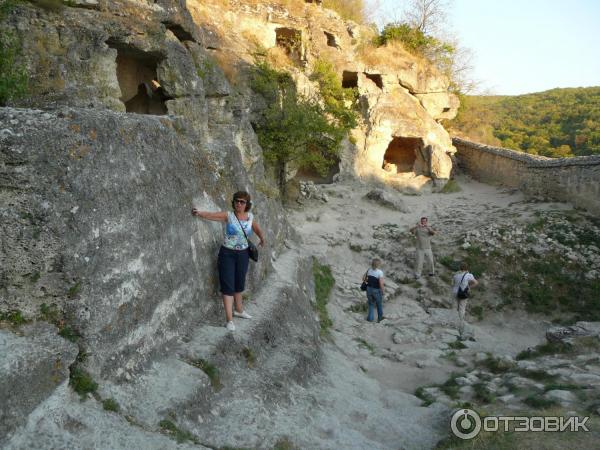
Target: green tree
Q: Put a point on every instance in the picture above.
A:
(292, 129)
(339, 101)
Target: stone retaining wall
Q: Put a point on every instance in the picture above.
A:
(576, 180)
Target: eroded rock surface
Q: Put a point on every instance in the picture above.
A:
(33, 364)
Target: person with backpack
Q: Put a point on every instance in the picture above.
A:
(461, 283)
(375, 285)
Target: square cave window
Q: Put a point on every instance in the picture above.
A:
(349, 79)
(290, 40)
(141, 91)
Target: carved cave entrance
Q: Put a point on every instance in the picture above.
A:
(331, 40)
(180, 33)
(401, 154)
(141, 91)
(349, 79)
(375, 78)
(290, 40)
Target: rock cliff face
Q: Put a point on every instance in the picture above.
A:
(400, 97)
(99, 222)
(139, 111)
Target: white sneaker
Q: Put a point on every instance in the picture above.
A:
(230, 325)
(243, 315)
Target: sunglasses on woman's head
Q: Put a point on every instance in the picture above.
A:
(237, 200)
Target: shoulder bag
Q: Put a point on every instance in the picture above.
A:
(462, 293)
(252, 250)
(363, 286)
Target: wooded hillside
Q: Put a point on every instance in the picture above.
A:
(555, 123)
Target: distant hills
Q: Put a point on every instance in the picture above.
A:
(555, 123)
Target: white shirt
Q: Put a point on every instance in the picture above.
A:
(377, 273)
(374, 277)
(465, 281)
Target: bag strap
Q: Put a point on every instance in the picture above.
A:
(463, 277)
(247, 241)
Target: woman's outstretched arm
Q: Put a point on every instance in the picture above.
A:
(220, 216)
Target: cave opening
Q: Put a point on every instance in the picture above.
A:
(331, 40)
(349, 79)
(375, 78)
(180, 33)
(401, 154)
(290, 40)
(141, 91)
(310, 174)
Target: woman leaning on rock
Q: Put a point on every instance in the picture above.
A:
(233, 255)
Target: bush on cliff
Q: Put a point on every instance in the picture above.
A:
(339, 101)
(440, 53)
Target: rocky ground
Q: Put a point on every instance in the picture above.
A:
(383, 386)
(525, 254)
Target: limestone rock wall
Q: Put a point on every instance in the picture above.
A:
(96, 202)
(98, 221)
(399, 95)
(576, 180)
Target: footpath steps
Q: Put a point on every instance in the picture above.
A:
(257, 362)
(280, 344)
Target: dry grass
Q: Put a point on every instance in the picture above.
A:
(365, 52)
(229, 64)
(253, 41)
(199, 11)
(348, 9)
(392, 55)
(278, 58)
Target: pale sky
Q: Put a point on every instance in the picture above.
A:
(523, 46)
